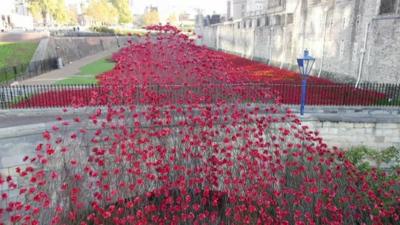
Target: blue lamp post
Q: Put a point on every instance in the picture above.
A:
(305, 65)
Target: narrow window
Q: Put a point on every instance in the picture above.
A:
(289, 18)
(388, 7)
(266, 21)
(277, 20)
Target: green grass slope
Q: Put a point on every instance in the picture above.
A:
(88, 73)
(16, 53)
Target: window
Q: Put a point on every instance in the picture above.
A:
(266, 21)
(250, 23)
(277, 19)
(258, 22)
(238, 25)
(358, 19)
(244, 24)
(289, 18)
(388, 7)
(315, 2)
(275, 3)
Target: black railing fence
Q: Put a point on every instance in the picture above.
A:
(23, 71)
(51, 96)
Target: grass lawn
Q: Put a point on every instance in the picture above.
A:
(88, 73)
(16, 53)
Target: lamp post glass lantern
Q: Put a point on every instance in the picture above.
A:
(305, 66)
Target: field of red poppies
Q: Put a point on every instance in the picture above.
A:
(197, 151)
(174, 64)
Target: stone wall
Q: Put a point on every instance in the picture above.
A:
(335, 32)
(372, 133)
(74, 48)
(349, 134)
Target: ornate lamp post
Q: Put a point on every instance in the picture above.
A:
(305, 66)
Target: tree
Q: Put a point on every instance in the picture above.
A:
(124, 11)
(151, 17)
(72, 16)
(172, 19)
(102, 12)
(61, 13)
(46, 9)
(35, 10)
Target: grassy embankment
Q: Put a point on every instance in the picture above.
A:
(88, 73)
(14, 58)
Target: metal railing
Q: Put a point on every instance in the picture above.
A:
(23, 71)
(52, 96)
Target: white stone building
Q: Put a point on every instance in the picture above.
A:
(241, 8)
(256, 7)
(238, 8)
(353, 40)
(14, 14)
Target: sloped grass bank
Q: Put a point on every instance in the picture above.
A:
(16, 53)
(88, 73)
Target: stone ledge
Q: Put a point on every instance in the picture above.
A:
(351, 118)
(359, 110)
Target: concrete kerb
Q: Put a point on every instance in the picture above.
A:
(321, 114)
(346, 118)
(24, 130)
(341, 127)
(68, 115)
(38, 128)
(350, 114)
(49, 111)
(366, 110)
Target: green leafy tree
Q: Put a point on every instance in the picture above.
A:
(124, 11)
(72, 17)
(102, 12)
(151, 17)
(46, 9)
(172, 19)
(61, 14)
(35, 9)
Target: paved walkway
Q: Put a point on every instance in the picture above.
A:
(67, 71)
(16, 36)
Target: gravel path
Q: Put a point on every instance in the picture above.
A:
(67, 71)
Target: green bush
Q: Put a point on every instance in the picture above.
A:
(102, 30)
(389, 102)
(382, 161)
(379, 167)
(120, 32)
(367, 157)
